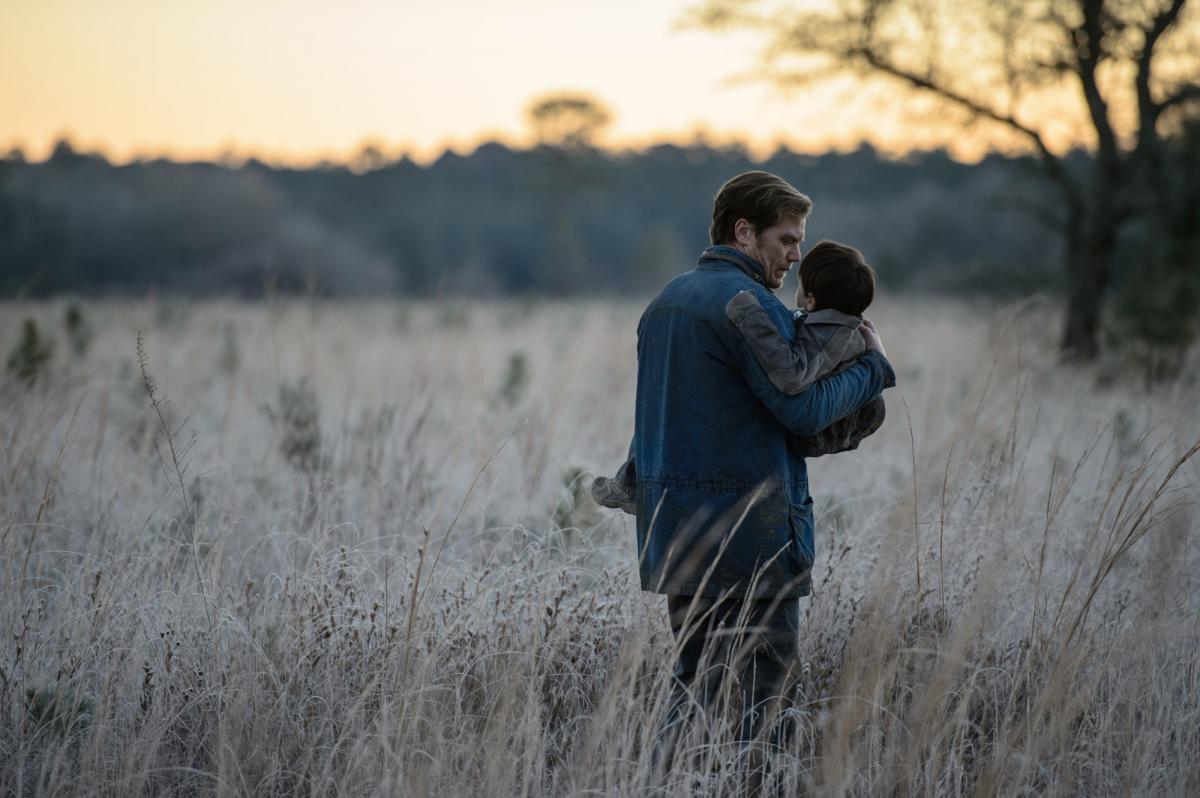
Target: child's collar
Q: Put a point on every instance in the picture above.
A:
(828, 316)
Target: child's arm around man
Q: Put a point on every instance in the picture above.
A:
(837, 285)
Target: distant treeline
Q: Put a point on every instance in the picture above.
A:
(498, 221)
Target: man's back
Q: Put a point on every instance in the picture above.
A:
(723, 502)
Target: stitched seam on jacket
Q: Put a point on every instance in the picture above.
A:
(720, 484)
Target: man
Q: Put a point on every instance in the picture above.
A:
(724, 517)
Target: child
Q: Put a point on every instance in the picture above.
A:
(836, 286)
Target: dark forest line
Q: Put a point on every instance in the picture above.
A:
(544, 221)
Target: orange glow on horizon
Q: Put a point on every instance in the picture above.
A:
(305, 81)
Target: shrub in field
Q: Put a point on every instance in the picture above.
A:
(519, 313)
(28, 359)
(454, 317)
(516, 378)
(79, 329)
(577, 509)
(402, 321)
(172, 317)
(230, 357)
(58, 709)
(297, 419)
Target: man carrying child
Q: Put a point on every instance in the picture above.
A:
(728, 405)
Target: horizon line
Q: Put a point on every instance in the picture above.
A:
(372, 152)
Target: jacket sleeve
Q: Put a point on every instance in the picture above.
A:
(846, 433)
(789, 366)
(827, 399)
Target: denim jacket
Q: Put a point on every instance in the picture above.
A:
(723, 506)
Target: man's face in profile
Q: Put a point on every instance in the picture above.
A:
(776, 248)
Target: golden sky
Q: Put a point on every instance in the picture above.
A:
(299, 80)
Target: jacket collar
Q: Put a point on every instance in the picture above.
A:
(830, 316)
(747, 264)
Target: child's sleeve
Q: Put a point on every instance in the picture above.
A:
(790, 368)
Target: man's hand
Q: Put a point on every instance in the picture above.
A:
(871, 336)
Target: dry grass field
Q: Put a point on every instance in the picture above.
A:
(349, 550)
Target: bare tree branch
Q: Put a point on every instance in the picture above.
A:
(980, 56)
(1148, 110)
(1090, 53)
(1185, 94)
(1051, 161)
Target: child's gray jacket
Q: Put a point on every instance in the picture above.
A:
(827, 342)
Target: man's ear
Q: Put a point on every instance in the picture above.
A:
(743, 232)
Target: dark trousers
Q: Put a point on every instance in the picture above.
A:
(735, 655)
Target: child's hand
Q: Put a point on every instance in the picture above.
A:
(871, 336)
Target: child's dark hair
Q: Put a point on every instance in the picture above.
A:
(838, 277)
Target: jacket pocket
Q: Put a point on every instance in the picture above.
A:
(800, 519)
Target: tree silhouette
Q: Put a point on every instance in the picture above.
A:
(567, 120)
(566, 125)
(1125, 71)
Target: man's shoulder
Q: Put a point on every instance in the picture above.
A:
(705, 292)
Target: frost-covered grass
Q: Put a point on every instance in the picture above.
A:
(383, 576)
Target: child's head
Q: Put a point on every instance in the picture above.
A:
(834, 275)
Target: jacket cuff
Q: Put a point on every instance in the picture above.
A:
(881, 366)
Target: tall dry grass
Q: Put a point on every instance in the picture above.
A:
(347, 550)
